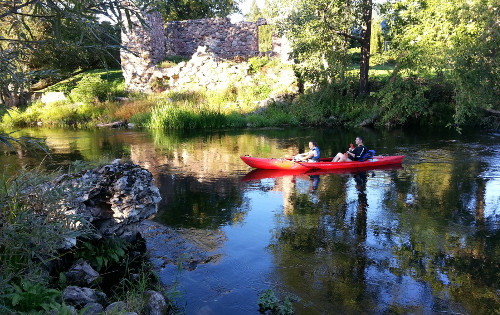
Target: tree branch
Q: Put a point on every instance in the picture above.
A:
(340, 33)
(492, 111)
(36, 16)
(14, 10)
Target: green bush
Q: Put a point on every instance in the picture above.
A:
(401, 101)
(89, 89)
(256, 63)
(102, 253)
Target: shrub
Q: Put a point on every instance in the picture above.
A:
(257, 62)
(402, 100)
(90, 88)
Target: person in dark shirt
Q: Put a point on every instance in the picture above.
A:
(353, 154)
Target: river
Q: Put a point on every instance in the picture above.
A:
(420, 238)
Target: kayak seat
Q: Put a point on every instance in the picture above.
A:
(368, 155)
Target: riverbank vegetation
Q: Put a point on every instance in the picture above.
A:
(92, 99)
(34, 259)
(427, 64)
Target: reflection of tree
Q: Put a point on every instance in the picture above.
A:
(360, 179)
(444, 239)
(188, 202)
(326, 249)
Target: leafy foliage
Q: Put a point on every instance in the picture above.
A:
(265, 38)
(457, 39)
(39, 35)
(102, 253)
(268, 301)
(256, 63)
(89, 89)
(29, 296)
(401, 101)
(321, 32)
(193, 9)
(32, 230)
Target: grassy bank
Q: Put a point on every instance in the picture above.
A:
(92, 99)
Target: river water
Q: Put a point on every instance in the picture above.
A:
(421, 238)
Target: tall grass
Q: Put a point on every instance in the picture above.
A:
(168, 115)
(33, 232)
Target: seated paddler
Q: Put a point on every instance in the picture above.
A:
(353, 154)
(311, 156)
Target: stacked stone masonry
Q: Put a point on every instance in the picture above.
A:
(211, 39)
(223, 38)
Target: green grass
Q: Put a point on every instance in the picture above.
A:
(114, 76)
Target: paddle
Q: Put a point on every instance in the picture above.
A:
(307, 164)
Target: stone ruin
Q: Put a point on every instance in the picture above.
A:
(150, 43)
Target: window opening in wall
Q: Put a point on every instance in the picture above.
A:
(265, 38)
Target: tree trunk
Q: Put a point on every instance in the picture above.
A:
(364, 64)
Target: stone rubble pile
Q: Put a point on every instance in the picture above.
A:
(202, 70)
(147, 45)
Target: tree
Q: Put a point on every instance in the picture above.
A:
(194, 9)
(254, 13)
(29, 28)
(322, 30)
(458, 40)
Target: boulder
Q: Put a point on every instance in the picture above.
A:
(81, 273)
(117, 307)
(93, 309)
(113, 198)
(119, 196)
(78, 296)
(155, 303)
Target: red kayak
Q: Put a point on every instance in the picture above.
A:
(257, 174)
(323, 164)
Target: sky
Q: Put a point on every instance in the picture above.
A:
(245, 7)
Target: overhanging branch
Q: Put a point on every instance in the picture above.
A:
(340, 33)
(14, 9)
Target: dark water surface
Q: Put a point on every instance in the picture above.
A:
(420, 239)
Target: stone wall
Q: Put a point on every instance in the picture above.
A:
(145, 47)
(223, 38)
(148, 45)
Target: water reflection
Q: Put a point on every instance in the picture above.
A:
(422, 238)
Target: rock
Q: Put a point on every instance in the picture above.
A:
(70, 309)
(93, 308)
(114, 198)
(119, 306)
(155, 303)
(81, 274)
(190, 246)
(78, 296)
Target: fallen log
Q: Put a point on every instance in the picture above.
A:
(116, 124)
